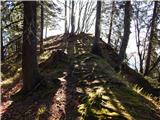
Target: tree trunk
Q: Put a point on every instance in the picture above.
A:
(96, 49)
(2, 47)
(79, 17)
(46, 32)
(66, 17)
(42, 23)
(84, 17)
(127, 20)
(111, 22)
(29, 48)
(155, 64)
(148, 60)
(72, 19)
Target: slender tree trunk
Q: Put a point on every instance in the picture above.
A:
(141, 65)
(84, 17)
(46, 32)
(69, 18)
(148, 60)
(96, 48)
(42, 23)
(138, 42)
(111, 22)
(66, 17)
(72, 19)
(79, 16)
(127, 20)
(2, 47)
(29, 48)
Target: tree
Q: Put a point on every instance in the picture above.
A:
(111, 22)
(81, 5)
(29, 48)
(85, 16)
(96, 48)
(2, 48)
(152, 35)
(155, 64)
(138, 21)
(42, 24)
(11, 28)
(127, 20)
(65, 17)
(52, 14)
(72, 19)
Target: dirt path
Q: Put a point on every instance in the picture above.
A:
(58, 108)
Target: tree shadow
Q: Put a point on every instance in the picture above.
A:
(135, 104)
(33, 106)
(122, 103)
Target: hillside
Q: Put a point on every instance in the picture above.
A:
(78, 85)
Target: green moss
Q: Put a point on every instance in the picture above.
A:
(41, 110)
(107, 98)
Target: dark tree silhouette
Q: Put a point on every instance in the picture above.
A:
(148, 60)
(42, 24)
(72, 19)
(127, 20)
(29, 48)
(95, 48)
(111, 22)
(2, 48)
(65, 17)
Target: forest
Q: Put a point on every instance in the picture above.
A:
(80, 60)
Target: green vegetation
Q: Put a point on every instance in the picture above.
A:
(101, 92)
(111, 99)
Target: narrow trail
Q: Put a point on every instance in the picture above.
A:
(58, 108)
(64, 100)
(81, 80)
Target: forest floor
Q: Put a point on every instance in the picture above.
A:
(79, 86)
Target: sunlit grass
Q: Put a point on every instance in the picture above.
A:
(102, 106)
(41, 110)
(153, 100)
(11, 80)
(44, 56)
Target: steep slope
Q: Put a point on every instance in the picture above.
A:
(104, 94)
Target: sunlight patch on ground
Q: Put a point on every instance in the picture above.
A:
(11, 80)
(41, 110)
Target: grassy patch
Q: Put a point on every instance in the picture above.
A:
(112, 100)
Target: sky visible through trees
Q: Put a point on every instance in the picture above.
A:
(131, 48)
(80, 60)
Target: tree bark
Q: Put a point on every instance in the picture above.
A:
(96, 48)
(72, 19)
(66, 17)
(148, 60)
(29, 48)
(127, 20)
(155, 64)
(79, 16)
(138, 42)
(42, 24)
(46, 32)
(2, 47)
(111, 22)
(84, 16)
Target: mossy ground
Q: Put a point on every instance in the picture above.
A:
(99, 92)
(108, 97)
